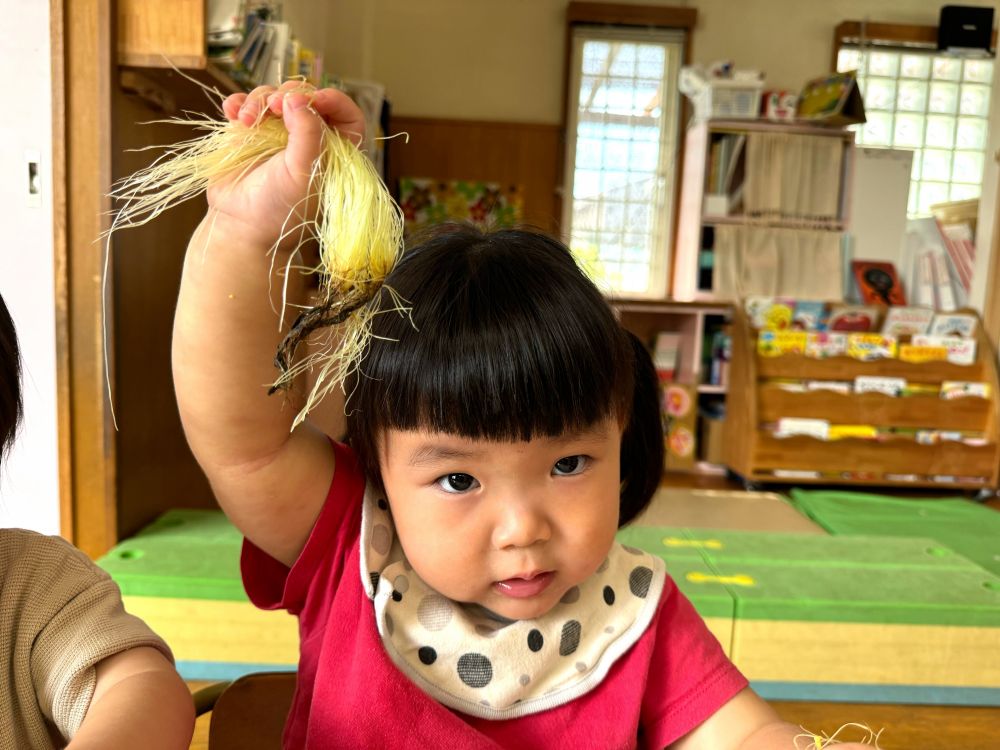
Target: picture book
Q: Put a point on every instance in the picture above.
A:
(776, 343)
(853, 318)
(953, 324)
(790, 426)
(666, 354)
(869, 346)
(878, 283)
(951, 389)
(773, 313)
(823, 344)
(907, 321)
(809, 315)
(858, 431)
(919, 354)
(837, 386)
(879, 384)
(756, 309)
(959, 351)
(833, 99)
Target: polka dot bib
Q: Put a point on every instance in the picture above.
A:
(471, 660)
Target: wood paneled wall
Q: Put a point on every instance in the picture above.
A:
(511, 153)
(156, 470)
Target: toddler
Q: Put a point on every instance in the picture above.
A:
(453, 567)
(76, 667)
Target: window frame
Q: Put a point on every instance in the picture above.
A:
(903, 38)
(616, 15)
(911, 35)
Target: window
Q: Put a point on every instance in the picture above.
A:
(622, 135)
(935, 104)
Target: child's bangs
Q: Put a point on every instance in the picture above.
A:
(508, 379)
(508, 341)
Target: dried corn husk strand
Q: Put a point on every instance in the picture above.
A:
(810, 741)
(359, 230)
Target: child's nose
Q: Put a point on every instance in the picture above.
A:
(520, 524)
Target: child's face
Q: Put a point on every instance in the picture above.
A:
(509, 526)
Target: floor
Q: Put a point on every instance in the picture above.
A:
(903, 726)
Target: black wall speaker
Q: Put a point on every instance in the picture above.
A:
(965, 28)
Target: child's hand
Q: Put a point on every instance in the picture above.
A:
(259, 202)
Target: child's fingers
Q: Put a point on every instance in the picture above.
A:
(231, 105)
(339, 111)
(254, 104)
(276, 99)
(305, 133)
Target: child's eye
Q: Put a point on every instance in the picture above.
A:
(569, 466)
(456, 483)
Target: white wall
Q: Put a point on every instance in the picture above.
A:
(29, 482)
(503, 59)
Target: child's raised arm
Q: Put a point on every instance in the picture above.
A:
(271, 482)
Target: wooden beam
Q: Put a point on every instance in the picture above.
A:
(887, 34)
(85, 124)
(631, 15)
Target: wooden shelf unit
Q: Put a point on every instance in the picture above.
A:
(688, 282)
(646, 318)
(692, 320)
(755, 400)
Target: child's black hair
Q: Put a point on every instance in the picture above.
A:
(509, 340)
(11, 406)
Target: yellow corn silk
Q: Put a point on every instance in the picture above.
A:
(358, 227)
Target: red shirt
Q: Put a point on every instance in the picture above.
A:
(349, 693)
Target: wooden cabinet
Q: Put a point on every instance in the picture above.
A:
(152, 467)
(758, 398)
(157, 34)
(723, 185)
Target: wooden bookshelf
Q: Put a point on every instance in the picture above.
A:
(693, 277)
(694, 321)
(755, 400)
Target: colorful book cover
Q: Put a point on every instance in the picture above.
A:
(823, 344)
(790, 426)
(776, 343)
(778, 315)
(665, 355)
(879, 384)
(921, 389)
(857, 431)
(809, 315)
(878, 283)
(920, 354)
(907, 321)
(959, 351)
(869, 346)
(756, 309)
(853, 318)
(837, 386)
(953, 324)
(951, 389)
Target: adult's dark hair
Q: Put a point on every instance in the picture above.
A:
(508, 340)
(10, 381)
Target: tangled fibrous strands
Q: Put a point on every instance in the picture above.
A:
(358, 228)
(809, 741)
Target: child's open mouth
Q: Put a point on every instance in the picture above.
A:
(523, 588)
